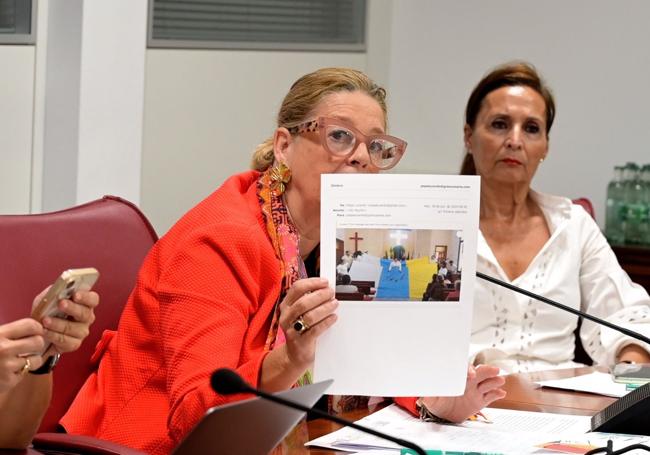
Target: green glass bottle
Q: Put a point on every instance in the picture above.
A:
(613, 219)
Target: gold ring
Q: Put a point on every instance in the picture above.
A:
(300, 326)
(26, 367)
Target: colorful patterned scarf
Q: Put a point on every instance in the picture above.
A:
(285, 239)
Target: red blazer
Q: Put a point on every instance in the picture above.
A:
(408, 403)
(202, 301)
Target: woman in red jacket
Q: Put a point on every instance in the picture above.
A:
(234, 283)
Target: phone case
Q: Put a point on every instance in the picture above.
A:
(64, 287)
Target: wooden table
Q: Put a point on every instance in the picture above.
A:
(522, 395)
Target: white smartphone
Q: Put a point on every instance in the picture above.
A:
(64, 287)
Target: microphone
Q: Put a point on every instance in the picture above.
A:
(580, 313)
(227, 382)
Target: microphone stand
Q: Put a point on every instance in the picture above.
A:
(579, 313)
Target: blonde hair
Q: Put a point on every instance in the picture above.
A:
(305, 94)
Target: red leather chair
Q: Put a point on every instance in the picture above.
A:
(110, 234)
(586, 204)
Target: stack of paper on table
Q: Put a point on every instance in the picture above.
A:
(596, 382)
(512, 432)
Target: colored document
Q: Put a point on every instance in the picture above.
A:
(401, 250)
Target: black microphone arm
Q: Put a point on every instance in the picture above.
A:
(226, 382)
(595, 319)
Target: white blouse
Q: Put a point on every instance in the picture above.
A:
(575, 267)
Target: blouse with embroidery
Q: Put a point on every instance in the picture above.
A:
(575, 267)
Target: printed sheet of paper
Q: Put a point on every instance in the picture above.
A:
(531, 429)
(403, 324)
(596, 382)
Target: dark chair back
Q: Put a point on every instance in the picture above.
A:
(580, 355)
(110, 234)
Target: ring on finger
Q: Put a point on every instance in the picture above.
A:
(300, 326)
(28, 366)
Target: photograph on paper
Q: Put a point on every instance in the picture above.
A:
(398, 264)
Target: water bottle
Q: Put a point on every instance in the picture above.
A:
(613, 219)
(634, 227)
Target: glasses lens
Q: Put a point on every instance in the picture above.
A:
(384, 153)
(339, 140)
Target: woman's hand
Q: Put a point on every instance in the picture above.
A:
(633, 353)
(66, 335)
(21, 343)
(312, 300)
(482, 388)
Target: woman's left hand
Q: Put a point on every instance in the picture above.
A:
(482, 388)
(66, 335)
(633, 353)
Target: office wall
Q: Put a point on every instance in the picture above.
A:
(93, 101)
(71, 106)
(593, 53)
(17, 95)
(206, 110)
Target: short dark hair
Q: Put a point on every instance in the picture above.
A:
(345, 279)
(506, 75)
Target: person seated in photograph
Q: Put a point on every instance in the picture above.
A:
(341, 269)
(235, 283)
(442, 271)
(451, 268)
(345, 286)
(537, 241)
(427, 292)
(347, 259)
(455, 294)
(25, 379)
(395, 264)
(435, 290)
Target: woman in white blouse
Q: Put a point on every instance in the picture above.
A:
(539, 242)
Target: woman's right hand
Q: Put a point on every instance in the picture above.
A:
(313, 300)
(21, 342)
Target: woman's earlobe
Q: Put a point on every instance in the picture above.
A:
(467, 134)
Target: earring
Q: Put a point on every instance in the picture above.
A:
(280, 178)
(541, 160)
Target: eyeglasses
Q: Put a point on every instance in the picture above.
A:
(341, 139)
